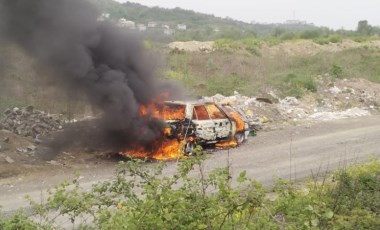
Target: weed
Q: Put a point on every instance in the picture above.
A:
(227, 85)
(336, 71)
(297, 85)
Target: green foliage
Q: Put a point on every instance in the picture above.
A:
(10, 102)
(350, 201)
(336, 71)
(227, 85)
(288, 36)
(227, 45)
(311, 34)
(20, 221)
(327, 40)
(251, 45)
(297, 85)
(143, 196)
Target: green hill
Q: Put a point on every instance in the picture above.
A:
(199, 26)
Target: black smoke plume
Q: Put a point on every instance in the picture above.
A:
(106, 63)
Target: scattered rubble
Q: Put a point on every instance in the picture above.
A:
(349, 113)
(29, 122)
(339, 99)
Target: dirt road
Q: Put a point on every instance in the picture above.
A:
(294, 152)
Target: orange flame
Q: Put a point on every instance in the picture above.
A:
(234, 115)
(166, 149)
(162, 149)
(227, 144)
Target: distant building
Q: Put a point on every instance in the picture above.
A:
(181, 27)
(124, 23)
(295, 22)
(152, 24)
(141, 27)
(216, 30)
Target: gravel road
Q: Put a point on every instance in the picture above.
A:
(294, 152)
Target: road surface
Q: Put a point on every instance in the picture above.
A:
(294, 152)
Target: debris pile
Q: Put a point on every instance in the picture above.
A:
(337, 103)
(253, 110)
(29, 122)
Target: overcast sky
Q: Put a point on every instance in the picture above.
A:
(331, 13)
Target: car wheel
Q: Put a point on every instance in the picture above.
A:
(189, 148)
(240, 137)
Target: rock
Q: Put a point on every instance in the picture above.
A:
(29, 109)
(22, 150)
(290, 101)
(9, 160)
(30, 122)
(53, 162)
(7, 111)
(264, 119)
(6, 140)
(335, 90)
(31, 148)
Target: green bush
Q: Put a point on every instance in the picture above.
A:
(143, 197)
(20, 222)
(335, 39)
(288, 36)
(297, 85)
(349, 199)
(336, 71)
(310, 34)
(227, 45)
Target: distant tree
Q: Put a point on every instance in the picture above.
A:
(311, 34)
(364, 28)
(278, 32)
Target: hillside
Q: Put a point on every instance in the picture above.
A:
(198, 26)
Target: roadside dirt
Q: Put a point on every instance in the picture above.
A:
(288, 48)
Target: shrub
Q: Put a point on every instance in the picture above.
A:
(349, 199)
(335, 39)
(226, 45)
(336, 71)
(310, 34)
(296, 85)
(288, 36)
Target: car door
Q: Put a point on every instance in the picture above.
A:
(222, 125)
(204, 126)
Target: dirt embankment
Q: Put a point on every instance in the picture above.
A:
(289, 48)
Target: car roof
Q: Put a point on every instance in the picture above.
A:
(188, 102)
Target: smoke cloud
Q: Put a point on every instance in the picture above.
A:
(106, 63)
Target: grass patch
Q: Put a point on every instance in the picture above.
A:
(10, 102)
(296, 85)
(227, 85)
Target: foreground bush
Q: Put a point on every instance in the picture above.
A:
(144, 197)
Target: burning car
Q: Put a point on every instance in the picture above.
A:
(194, 123)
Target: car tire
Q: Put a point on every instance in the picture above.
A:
(240, 137)
(189, 148)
